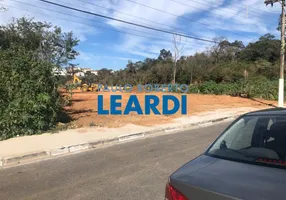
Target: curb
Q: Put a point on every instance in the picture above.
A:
(80, 147)
(6, 161)
(131, 136)
(59, 151)
(64, 150)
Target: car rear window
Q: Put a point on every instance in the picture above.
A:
(256, 139)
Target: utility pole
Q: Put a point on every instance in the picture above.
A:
(281, 80)
(282, 53)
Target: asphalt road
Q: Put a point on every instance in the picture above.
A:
(127, 171)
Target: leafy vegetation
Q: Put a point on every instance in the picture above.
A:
(29, 51)
(225, 68)
(257, 88)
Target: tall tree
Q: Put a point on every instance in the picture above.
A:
(49, 41)
(165, 55)
(267, 48)
(178, 48)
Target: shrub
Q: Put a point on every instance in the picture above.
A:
(258, 87)
(263, 88)
(91, 124)
(62, 80)
(29, 101)
(216, 88)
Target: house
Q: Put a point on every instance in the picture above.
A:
(80, 71)
(95, 72)
(70, 70)
(80, 74)
(84, 70)
(60, 72)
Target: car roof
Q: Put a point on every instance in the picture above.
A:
(270, 111)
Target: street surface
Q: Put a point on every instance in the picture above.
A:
(127, 171)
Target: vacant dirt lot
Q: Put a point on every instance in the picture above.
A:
(84, 108)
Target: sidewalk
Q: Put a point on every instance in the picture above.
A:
(27, 148)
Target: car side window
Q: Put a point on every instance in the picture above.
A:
(244, 138)
(253, 137)
(271, 122)
(239, 135)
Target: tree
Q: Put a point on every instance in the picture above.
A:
(105, 76)
(225, 62)
(51, 44)
(131, 67)
(178, 48)
(29, 98)
(267, 48)
(165, 55)
(224, 50)
(90, 78)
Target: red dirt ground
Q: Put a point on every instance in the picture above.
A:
(84, 108)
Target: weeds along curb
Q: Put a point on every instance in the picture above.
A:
(64, 150)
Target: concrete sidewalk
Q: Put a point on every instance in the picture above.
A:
(28, 148)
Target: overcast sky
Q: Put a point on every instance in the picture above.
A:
(110, 44)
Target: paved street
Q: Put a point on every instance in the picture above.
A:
(133, 170)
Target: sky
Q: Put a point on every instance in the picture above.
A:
(105, 43)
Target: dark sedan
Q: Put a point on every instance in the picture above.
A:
(247, 161)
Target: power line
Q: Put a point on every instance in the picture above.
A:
(175, 28)
(222, 16)
(73, 16)
(114, 10)
(106, 8)
(185, 18)
(98, 10)
(127, 22)
(226, 11)
(161, 38)
(77, 21)
(252, 7)
(102, 22)
(257, 8)
(99, 6)
(198, 2)
(110, 29)
(178, 2)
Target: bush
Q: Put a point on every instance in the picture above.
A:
(91, 124)
(258, 87)
(29, 101)
(216, 88)
(62, 80)
(263, 88)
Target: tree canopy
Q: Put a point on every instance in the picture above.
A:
(223, 62)
(49, 42)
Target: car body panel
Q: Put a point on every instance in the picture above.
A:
(268, 112)
(207, 177)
